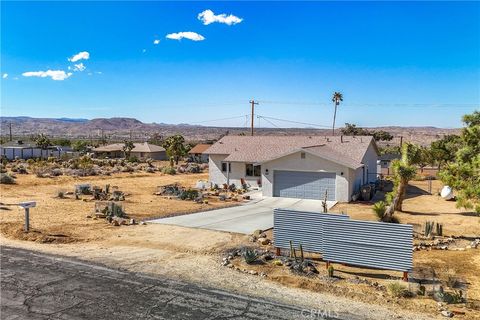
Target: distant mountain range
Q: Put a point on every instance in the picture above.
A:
(126, 128)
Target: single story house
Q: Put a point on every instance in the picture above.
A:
(21, 150)
(304, 167)
(197, 154)
(385, 163)
(141, 151)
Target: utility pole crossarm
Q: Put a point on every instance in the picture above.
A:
(253, 102)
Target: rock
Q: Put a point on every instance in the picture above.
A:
(143, 223)
(252, 238)
(447, 313)
(225, 263)
(257, 233)
(115, 223)
(263, 241)
(262, 274)
(253, 272)
(132, 221)
(230, 265)
(88, 216)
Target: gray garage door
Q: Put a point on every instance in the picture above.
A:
(304, 185)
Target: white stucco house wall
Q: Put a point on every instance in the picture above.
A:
(295, 166)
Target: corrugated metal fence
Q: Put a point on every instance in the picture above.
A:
(340, 239)
(369, 244)
(301, 227)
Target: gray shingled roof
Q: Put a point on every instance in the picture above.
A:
(346, 150)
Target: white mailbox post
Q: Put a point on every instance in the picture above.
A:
(27, 205)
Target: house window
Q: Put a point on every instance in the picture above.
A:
(302, 155)
(224, 167)
(253, 170)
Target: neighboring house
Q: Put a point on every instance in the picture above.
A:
(197, 153)
(385, 163)
(295, 166)
(21, 150)
(141, 151)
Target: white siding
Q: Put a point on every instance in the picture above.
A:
(294, 162)
(218, 177)
(370, 160)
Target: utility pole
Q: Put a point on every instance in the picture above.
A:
(253, 102)
(10, 127)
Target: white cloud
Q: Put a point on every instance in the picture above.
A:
(54, 74)
(208, 17)
(5, 76)
(79, 67)
(144, 50)
(156, 41)
(79, 56)
(187, 35)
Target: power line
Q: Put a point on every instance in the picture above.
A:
(304, 123)
(221, 119)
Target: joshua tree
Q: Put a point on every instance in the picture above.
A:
(336, 99)
(128, 147)
(42, 141)
(175, 146)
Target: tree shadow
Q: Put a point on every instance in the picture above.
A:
(414, 191)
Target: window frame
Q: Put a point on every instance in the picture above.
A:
(223, 163)
(253, 171)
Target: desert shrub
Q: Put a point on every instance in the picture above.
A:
(150, 169)
(21, 169)
(193, 168)
(190, 194)
(132, 159)
(6, 179)
(250, 255)
(379, 209)
(2, 168)
(51, 159)
(30, 162)
(398, 290)
(60, 194)
(56, 172)
(127, 169)
(169, 170)
(449, 297)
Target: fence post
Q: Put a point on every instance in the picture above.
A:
(278, 253)
(27, 219)
(405, 276)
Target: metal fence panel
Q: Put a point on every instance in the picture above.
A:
(369, 244)
(301, 227)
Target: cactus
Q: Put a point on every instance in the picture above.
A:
(428, 228)
(250, 256)
(330, 271)
(293, 254)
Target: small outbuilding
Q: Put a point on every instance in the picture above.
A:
(197, 154)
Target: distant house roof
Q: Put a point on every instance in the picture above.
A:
(389, 156)
(138, 147)
(199, 148)
(347, 150)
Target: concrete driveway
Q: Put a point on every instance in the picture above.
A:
(257, 214)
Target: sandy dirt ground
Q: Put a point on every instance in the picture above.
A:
(195, 255)
(65, 220)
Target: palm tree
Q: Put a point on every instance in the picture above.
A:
(336, 99)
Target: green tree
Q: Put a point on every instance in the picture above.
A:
(79, 145)
(378, 135)
(63, 142)
(127, 148)
(175, 147)
(336, 99)
(42, 141)
(463, 174)
(444, 150)
(403, 172)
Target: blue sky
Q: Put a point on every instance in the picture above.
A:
(396, 63)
